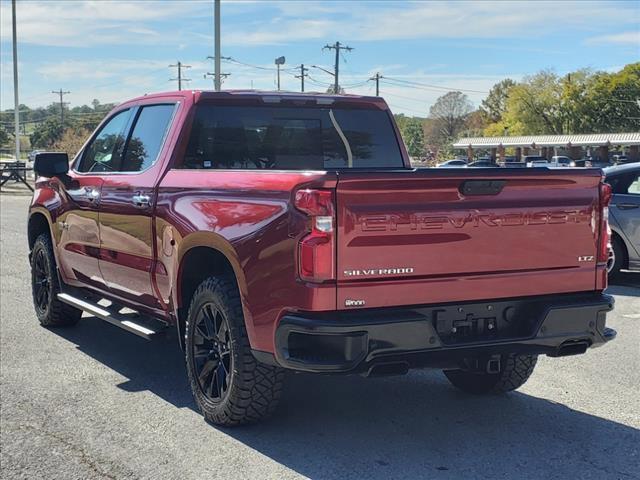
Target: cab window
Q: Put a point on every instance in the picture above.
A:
(104, 152)
(147, 137)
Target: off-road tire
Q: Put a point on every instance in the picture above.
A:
(254, 389)
(515, 371)
(51, 312)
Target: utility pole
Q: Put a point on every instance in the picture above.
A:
(337, 47)
(62, 104)
(279, 61)
(222, 77)
(217, 80)
(377, 78)
(16, 111)
(303, 69)
(179, 78)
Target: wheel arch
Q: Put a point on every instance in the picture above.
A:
(38, 223)
(202, 255)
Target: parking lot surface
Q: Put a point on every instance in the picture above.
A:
(96, 402)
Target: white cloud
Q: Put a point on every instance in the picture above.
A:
(91, 23)
(399, 20)
(623, 38)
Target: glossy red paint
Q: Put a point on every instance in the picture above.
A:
(451, 247)
(248, 217)
(415, 236)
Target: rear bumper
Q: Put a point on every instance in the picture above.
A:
(441, 336)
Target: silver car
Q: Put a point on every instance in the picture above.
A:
(624, 217)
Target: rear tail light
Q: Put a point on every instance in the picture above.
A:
(316, 251)
(605, 231)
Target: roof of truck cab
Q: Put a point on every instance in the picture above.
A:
(262, 94)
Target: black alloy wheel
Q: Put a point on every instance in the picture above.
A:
(51, 312)
(212, 352)
(42, 283)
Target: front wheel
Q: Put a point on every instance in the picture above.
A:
(229, 386)
(45, 287)
(515, 371)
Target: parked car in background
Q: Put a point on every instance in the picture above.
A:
(484, 163)
(514, 164)
(32, 155)
(620, 159)
(562, 161)
(535, 161)
(624, 217)
(455, 163)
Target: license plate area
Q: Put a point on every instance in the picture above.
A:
(477, 323)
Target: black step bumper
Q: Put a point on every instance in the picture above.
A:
(441, 336)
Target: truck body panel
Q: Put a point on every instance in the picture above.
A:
(414, 237)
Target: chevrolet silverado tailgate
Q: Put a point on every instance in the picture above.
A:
(431, 235)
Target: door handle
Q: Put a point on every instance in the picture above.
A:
(92, 194)
(627, 206)
(141, 200)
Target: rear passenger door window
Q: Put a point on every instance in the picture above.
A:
(146, 140)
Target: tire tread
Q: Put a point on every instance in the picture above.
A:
(59, 314)
(256, 388)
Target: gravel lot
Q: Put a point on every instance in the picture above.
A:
(96, 402)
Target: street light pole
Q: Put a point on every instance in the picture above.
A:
(16, 112)
(279, 61)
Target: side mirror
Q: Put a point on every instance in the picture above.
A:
(51, 164)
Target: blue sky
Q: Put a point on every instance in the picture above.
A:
(113, 50)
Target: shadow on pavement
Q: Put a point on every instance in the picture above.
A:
(625, 283)
(414, 426)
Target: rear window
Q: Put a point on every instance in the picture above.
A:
(285, 138)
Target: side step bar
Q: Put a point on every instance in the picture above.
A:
(109, 315)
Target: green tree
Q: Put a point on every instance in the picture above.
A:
(537, 103)
(495, 104)
(47, 133)
(611, 101)
(413, 136)
(4, 137)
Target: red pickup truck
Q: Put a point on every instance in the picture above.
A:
(282, 231)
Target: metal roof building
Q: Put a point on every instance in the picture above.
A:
(534, 141)
(549, 145)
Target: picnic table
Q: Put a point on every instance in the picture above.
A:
(16, 171)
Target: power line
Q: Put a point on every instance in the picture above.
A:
(400, 107)
(318, 82)
(426, 86)
(413, 99)
(250, 65)
(179, 78)
(62, 104)
(337, 47)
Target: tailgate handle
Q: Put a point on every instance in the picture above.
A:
(482, 187)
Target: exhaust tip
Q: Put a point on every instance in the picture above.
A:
(573, 348)
(388, 369)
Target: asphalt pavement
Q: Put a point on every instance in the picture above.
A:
(96, 402)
